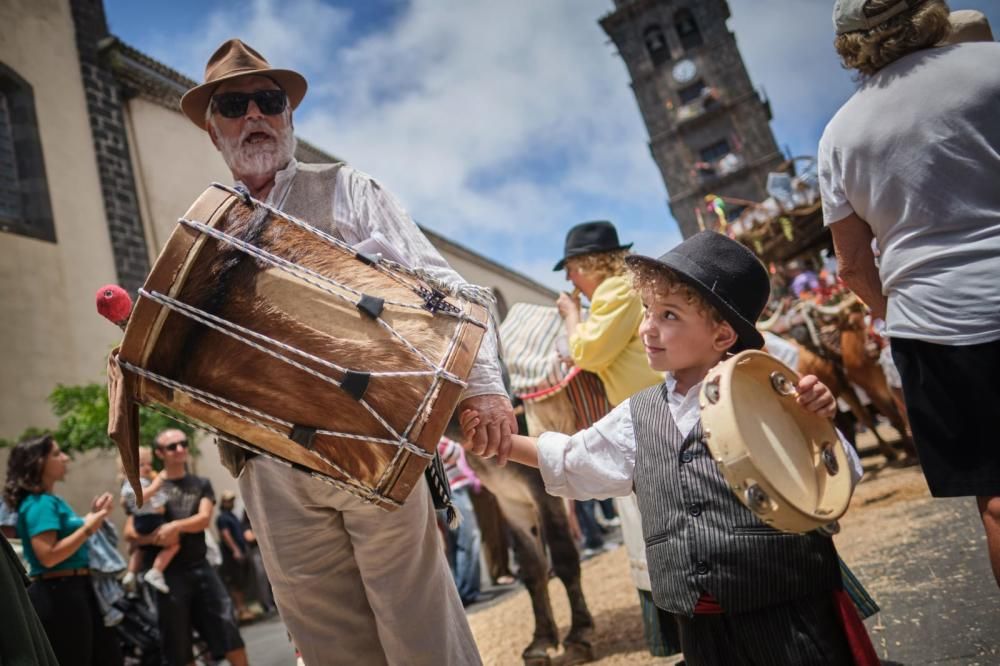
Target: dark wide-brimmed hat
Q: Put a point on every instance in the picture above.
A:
(230, 61)
(726, 274)
(588, 238)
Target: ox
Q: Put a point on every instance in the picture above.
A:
(839, 356)
(538, 522)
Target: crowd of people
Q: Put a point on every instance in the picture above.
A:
(83, 588)
(355, 584)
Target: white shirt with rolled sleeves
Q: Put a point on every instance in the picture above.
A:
(599, 462)
(373, 584)
(362, 210)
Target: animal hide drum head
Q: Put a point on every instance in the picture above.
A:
(784, 463)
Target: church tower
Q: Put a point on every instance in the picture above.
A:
(708, 126)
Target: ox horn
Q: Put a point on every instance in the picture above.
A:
(768, 324)
(836, 310)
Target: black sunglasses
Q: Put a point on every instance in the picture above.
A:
(174, 446)
(234, 104)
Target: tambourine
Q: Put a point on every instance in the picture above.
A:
(784, 463)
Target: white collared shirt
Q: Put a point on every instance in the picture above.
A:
(363, 209)
(599, 462)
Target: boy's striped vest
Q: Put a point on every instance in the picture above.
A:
(699, 537)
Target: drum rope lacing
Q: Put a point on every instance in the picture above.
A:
(218, 323)
(356, 488)
(369, 494)
(234, 408)
(315, 279)
(432, 297)
(310, 276)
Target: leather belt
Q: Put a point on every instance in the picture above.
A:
(62, 573)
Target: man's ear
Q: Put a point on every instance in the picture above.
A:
(725, 337)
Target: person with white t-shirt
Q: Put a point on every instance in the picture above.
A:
(911, 160)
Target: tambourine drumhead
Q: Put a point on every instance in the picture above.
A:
(785, 463)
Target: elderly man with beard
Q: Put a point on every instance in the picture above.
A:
(354, 584)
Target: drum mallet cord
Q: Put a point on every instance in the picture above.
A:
(474, 293)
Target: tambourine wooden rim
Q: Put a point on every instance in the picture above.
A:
(784, 463)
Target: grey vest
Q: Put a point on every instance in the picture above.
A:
(310, 197)
(699, 537)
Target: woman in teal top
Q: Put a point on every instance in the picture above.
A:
(54, 539)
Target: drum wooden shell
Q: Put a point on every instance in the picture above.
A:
(205, 272)
(784, 463)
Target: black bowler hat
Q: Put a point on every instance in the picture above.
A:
(727, 274)
(590, 237)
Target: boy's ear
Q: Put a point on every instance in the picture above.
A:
(725, 337)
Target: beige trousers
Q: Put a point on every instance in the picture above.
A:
(356, 584)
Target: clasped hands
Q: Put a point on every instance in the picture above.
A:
(495, 424)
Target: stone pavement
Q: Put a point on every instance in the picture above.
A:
(939, 602)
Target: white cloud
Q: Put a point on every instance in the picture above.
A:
(788, 50)
(503, 124)
(277, 30)
(499, 124)
(453, 105)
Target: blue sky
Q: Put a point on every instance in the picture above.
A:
(498, 124)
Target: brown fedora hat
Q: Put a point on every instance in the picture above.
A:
(230, 61)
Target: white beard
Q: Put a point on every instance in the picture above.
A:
(263, 158)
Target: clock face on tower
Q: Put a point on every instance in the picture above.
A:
(684, 71)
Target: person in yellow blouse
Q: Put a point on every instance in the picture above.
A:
(607, 343)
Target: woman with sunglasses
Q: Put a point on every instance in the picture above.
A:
(54, 538)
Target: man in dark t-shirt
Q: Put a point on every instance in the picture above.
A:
(197, 598)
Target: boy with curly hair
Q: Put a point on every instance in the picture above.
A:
(741, 591)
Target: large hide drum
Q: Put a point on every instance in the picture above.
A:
(786, 464)
(284, 340)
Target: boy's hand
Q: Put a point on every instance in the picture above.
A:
(469, 421)
(816, 397)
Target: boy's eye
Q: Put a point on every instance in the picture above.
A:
(669, 314)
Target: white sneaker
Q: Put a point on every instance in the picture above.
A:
(156, 579)
(128, 581)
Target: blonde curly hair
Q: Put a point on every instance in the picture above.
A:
(868, 51)
(600, 265)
